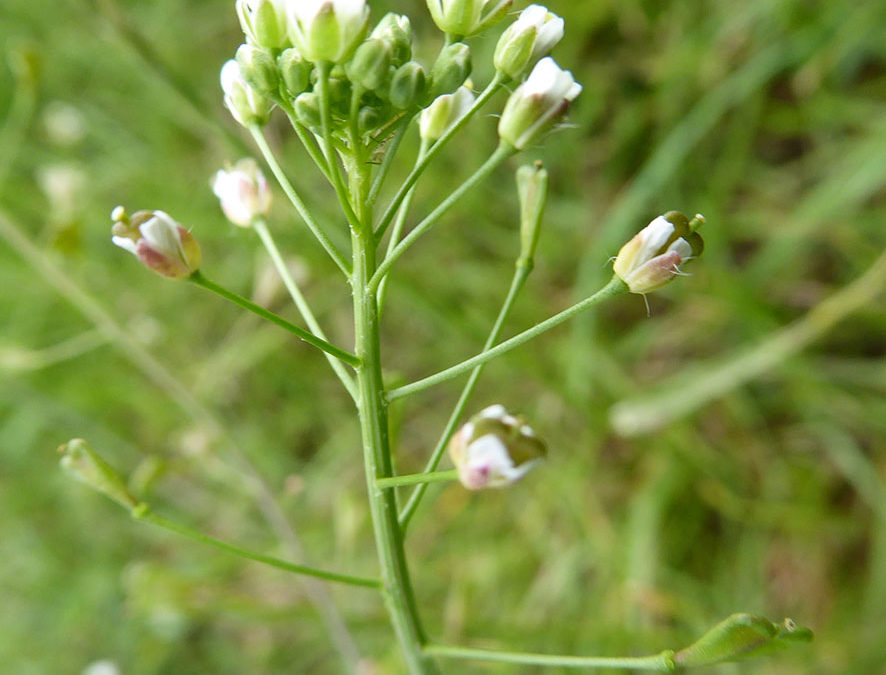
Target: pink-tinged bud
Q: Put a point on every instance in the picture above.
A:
(243, 192)
(494, 449)
(158, 241)
(654, 255)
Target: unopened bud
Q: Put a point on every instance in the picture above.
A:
(467, 17)
(532, 188)
(326, 30)
(247, 105)
(408, 85)
(159, 242)
(741, 636)
(243, 191)
(444, 112)
(537, 104)
(653, 256)
(82, 462)
(263, 22)
(258, 68)
(396, 30)
(451, 69)
(531, 36)
(307, 110)
(494, 449)
(371, 64)
(294, 71)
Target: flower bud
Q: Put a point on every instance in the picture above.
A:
(537, 104)
(258, 68)
(494, 449)
(451, 68)
(654, 255)
(370, 117)
(408, 85)
(294, 71)
(532, 188)
(243, 192)
(738, 637)
(81, 462)
(307, 110)
(531, 36)
(371, 64)
(443, 112)
(396, 31)
(158, 241)
(263, 22)
(466, 17)
(326, 30)
(247, 106)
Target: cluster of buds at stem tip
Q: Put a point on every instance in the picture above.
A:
(532, 36)
(654, 255)
(243, 192)
(159, 242)
(462, 18)
(326, 30)
(537, 104)
(494, 449)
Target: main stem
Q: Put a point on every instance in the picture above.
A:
(396, 585)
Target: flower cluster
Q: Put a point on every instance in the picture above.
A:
(321, 58)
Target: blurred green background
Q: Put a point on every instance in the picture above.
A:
(760, 490)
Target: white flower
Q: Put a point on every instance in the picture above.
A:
(530, 37)
(158, 241)
(654, 255)
(326, 30)
(537, 104)
(494, 449)
(247, 106)
(263, 22)
(444, 112)
(243, 192)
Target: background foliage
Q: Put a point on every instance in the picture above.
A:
(767, 116)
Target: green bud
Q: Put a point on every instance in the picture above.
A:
(530, 37)
(741, 636)
(81, 462)
(451, 69)
(327, 30)
(369, 118)
(294, 71)
(307, 110)
(408, 85)
(263, 22)
(396, 31)
(258, 68)
(467, 17)
(339, 97)
(371, 64)
(532, 188)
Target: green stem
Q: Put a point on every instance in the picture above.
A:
(416, 172)
(521, 273)
(502, 152)
(397, 587)
(388, 160)
(141, 512)
(329, 146)
(399, 224)
(417, 479)
(198, 278)
(297, 202)
(261, 228)
(614, 287)
(663, 662)
(304, 135)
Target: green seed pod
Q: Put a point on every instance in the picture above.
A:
(82, 462)
(371, 65)
(532, 187)
(408, 85)
(451, 69)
